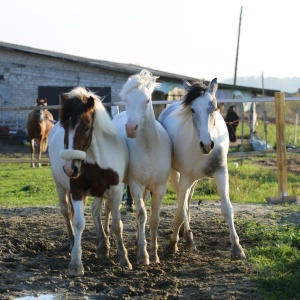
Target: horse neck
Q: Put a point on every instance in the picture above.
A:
(149, 128)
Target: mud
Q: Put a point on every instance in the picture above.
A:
(34, 257)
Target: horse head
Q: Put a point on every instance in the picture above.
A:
(41, 102)
(201, 100)
(136, 93)
(77, 118)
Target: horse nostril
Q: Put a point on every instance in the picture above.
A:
(75, 171)
(201, 145)
(212, 145)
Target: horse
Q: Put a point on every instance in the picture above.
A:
(88, 158)
(150, 151)
(200, 145)
(39, 124)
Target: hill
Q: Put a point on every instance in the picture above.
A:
(287, 85)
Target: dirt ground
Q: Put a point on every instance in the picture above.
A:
(34, 257)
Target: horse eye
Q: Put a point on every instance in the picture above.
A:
(148, 100)
(192, 110)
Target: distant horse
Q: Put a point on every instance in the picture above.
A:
(39, 124)
(232, 122)
(88, 157)
(150, 156)
(200, 143)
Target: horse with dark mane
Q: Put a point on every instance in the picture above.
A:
(88, 158)
(39, 124)
(200, 145)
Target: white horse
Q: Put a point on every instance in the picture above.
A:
(200, 145)
(88, 157)
(149, 156)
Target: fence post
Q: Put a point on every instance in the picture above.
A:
(295, 131)
(281, 154)
(281, 144)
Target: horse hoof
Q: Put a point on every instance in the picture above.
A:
(143, 261)
(75, 272)
(170, 249)
(126, 265)
(237, 253)
(102, 252)
(154, 259)
(191, 247)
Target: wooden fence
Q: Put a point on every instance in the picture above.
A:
(279, 101)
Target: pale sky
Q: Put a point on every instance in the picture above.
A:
(196, 38)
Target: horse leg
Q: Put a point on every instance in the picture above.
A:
(191, 193)
(39, 151)
(107, 218)
(181, 217)
(138, 192)
(75, 266)
(32, 165)
(117, 226)
(156, 201)
(66, 210)
(103, 241)
(222, 181)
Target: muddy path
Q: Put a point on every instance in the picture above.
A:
(34, 257)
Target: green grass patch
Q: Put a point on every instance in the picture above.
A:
(276, 258)
(271, 133)
(25, 186)
(249, 183)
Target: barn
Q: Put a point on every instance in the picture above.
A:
(28, 73)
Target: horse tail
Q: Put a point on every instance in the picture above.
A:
(44, 145)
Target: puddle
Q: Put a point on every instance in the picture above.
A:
(55, 297)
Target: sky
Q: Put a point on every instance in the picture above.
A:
(196, 38)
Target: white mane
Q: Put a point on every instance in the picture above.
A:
(102, 118)
(143, 79)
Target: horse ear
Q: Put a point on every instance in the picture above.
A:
(91, 102)
(63, 97)
(37, 100)
(213, 86)
(187, 86)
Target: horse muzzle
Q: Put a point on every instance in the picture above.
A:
(206, 148)
(72, 169)
(131, 131)
(73, 159)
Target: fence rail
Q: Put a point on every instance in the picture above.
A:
(154, 102)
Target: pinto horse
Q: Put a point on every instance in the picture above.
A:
(200, 145)
(88, 158)
(39, 124)
(150, 152)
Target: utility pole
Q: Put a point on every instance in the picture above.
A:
(237, 49)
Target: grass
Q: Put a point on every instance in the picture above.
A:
(271, 133)
(276, 258)
(25, 186)
(249, 183)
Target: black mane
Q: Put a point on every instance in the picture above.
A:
(71, 110)
(198, 88)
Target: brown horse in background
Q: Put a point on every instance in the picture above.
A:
(39, 124)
